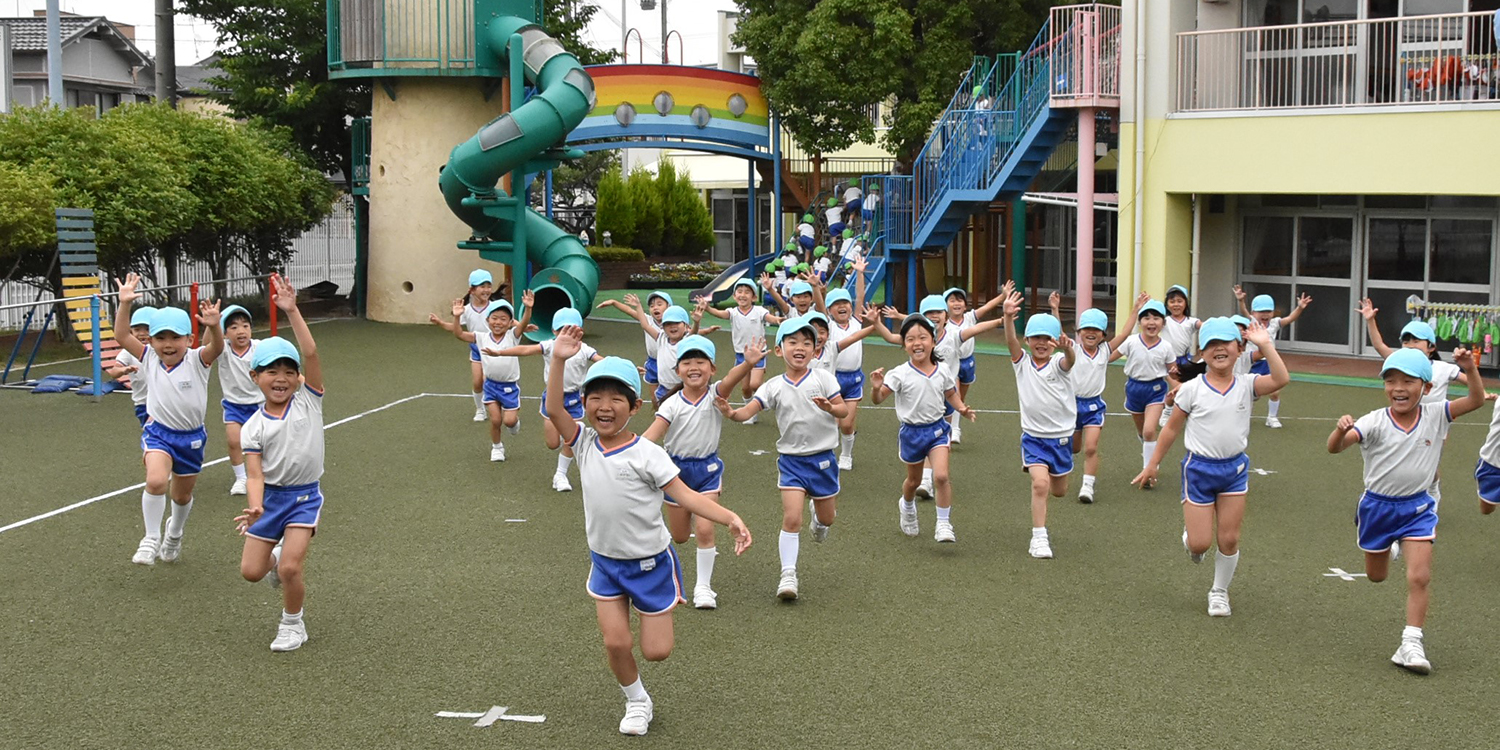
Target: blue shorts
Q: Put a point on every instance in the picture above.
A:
(1140, 394)
(739, 359)
(294, 505)
(1204, 479)
(867, 213)
(699, 474)
(1183, 361)
(507, 395)
(661, 393)
(817, 474)
(855, 206)
(473, 352)
(652, 585)
(915, 441)
(966, 372)
(140, 413)
(1383, 520)
(837, 229)
(651, 370)
(806, 242)
(184, 446)
(1260, 367)
(572, 401)
(1488, 477)
(1090, 412)
(238, 413)
(1054, 453)
(851, 384)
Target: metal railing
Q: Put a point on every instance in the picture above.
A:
(359, 145)
(1417, 60)
(1085, 57)
(418, 35)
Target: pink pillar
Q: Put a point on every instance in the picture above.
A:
(1085, 293)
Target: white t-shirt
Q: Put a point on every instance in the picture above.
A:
(651, 346)
(1242, 363)
(693, 427)
(1218, 424)
(948, 347)
(574, 369)
(1400, 463)
(290, 446)
(1490, 451)
(835, 214)
(1143, 362)
(666, 362)
(138, 382)
(828, 357)
(870, 202)
(1048, 407)
(821, 266)
(853, 356)
(848, 251)
(499, 369)
(852, 194)
(921, 397)
(805, 429)
(1180, 335)
(966, 348)
(745, 327)
(235, 380)
(1443, 373)
(472, 318)
(622, 495)
(806, 230)
(176, 398)
(1088, 373)
(1272, 329)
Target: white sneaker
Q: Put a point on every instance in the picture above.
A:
(846, 463)
(1273, 423)
(637, 718)
(956, 434)
(1041, 548)
(1195, 557)
(273, 576)
(1086, 494)
(171, 548)
(705, 598)
(752, 420)
(497, 452)
(145, 554)
(787, 589)
(289, 637)
(560, 482)
(1395, 551)
(1411, 656)
(514, 429)
(480, 416)
(238, 488)
(1166, 413)
(1218, 603)
(820, 532)
(944, 532)
(924, 490)
(908, 521)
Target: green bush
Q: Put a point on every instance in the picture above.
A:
(662, 214)
(615, 254)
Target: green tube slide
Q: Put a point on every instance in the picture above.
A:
(529, 138)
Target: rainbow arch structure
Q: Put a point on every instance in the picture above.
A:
(676, 106)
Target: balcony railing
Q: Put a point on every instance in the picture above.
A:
(404, 37)
(1413, 61)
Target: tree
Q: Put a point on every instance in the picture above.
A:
(575, 185)
(646, 204)
(616, 210)
(27, 222)
(683, 210)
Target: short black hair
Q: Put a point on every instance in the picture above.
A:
(610, 386)
(1187, 304)
(236, 314)
(800, 332)
(275, 362)
(820, 322)
(694, 354)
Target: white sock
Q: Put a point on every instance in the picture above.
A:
(927, 477)
(496, 445)
(1224, 566)
(291, 618)
(942, 513)
(1148, 447)
(1411, 633)
(1038, 532)
(848, 443)
(478, 400)
(908, 506)
(706, 557)
(179, 518)
(789, 544)
(276, 557)
(239, 471)
(1088, 481)
(563, 462)
(153, 507)
(1274, 408)
(635, 691)
(953, 420)
(515, 428)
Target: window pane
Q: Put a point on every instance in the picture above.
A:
(1268, 246)
(1431, 7)
(1463, 201)
(1398, 249)
(1320, 11)
(723, 215)
(1326, 320)
(1282, 293)
(1289, 201)
(1391, 315)
(1396, 201)
(1325, 247)
(1460, 251)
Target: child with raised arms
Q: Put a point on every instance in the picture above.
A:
(283, 442)
(808, 406)
(572, 379)
(961, 318)
(1213, 415)
(924, 392)
(847, 331)
(1487, 470)
(1263, 308)
(1148, 364)
(127, 364)
(688, 426)
(1402, 446)
(657, 303)
(800, 291)
(1090, 368)
(1180, 332)
(502, 375)
(176, 376)
(481, 289)
(241, 396)
(1049, 411)
(747, 323)
(625, 480)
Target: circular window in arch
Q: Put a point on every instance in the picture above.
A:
(663, 103)
(737, 105)
(700, 116)
(625, 114)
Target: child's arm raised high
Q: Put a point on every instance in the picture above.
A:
(569, 342)
(128, 295)
(285, 299)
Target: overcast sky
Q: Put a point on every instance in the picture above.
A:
(694, 19)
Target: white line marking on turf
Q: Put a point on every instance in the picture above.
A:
(515, 520)
(488, 718)
(1341, 574)
(85, 359)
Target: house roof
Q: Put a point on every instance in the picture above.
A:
(30, 35)
(193, 79)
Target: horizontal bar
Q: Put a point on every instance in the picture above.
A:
(74, 212)
(75, 234)
(78, 246)
(79, 267)
(75, 223)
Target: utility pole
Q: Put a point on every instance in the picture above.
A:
(166, 54)
(664, 33)
(54, 55)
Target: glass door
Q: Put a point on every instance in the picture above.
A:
(1436, 258)
(1286, 256)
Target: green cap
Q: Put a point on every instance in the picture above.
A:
(819, 251)
(848, 233)
(807, 218)
(833, 201)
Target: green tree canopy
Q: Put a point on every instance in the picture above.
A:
(616, 211)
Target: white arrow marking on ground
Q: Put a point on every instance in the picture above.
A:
(488, 718)
(1262, 472)
(759, 453)
(1341, 573)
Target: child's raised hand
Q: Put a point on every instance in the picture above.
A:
(633, 301)
(284, 295)
(765, 281)
(208, 312)
(1140, 301)
(1054, 300)
(755, 351)
(129, 369)
(1346, 423)
(741, 534)
(877, 378)
(527, 298)
(1367, 309)
(1012, 305)
(1239, 292)
(604, 304)
(869, 315)
(1008, 287)
(434, 319)
(530, 327)
(247, 518)
(1464, 358)
(127, 287)
(1256, 333)
(1303, 301)
(458, 309)
(569, 342)
(859, 265)
(721, 403)
(1064, 341)
(890, 312)
(708, 330)
(823, 403)
(1487, 396)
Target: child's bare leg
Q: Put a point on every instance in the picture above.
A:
(1485, 507)
(656, 636)
(1377, 565)
(826, 509)
(619, 642)
(1091, 450)
(294, 544)
(550, 436)
(493, 409)
(232, 438)
(1231, 514)
(909, 485)
(942, 484)
(158, 472)
(1148, 422)
(1418, 577)
(511, 417)
(704, 531)
(182, 489)
(791, 510)
(1059, 485)
(1040, 484)
(679, 522)
(752, 383)
(256, 560)
(1199, 520)
(1140, 425)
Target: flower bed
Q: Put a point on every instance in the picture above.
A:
(676, 275)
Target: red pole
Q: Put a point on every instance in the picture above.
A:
(193, 310)
(271, 302)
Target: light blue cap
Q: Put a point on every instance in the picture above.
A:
(919, 319)
(615, 368)
(667, 298)
(932, 303)
(1178, 288)
(1240, 320)
(141, 316)
(499, 304)
(272, 349)
(1152, 307)
(799, 287)
(838, 295)
(567, 316)
(747, 282)
(171, 319)
(952, 291)
(1418, 329)
(1043, 324)
(231, 310)
(1094, 318)
(794, 325)
(1262, 303)
(480, 276)
(813, 316)
(1217, 329)
(675, 314)
(1409, 361)
(695, 343)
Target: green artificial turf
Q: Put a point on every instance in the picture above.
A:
(423, 598)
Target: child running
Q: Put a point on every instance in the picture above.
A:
(1090, 368)
(127, 364)
(502, 375)
(481, 288)
(1402, 446)
(672, 326)
(847, 331)
(1049, 411)
(924, 392)
(1215, 408)
(242, 397)
(176, 375)
(1263, 309)
(688, 426)
(1180, 333)
(656, 303)
(747, 323)
(961, 317)
(1487, 470)
(1148, 363)
(284, 451)
(808, 406)
(800, 291)
(625, 480)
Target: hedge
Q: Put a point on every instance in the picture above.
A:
(602, 254)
